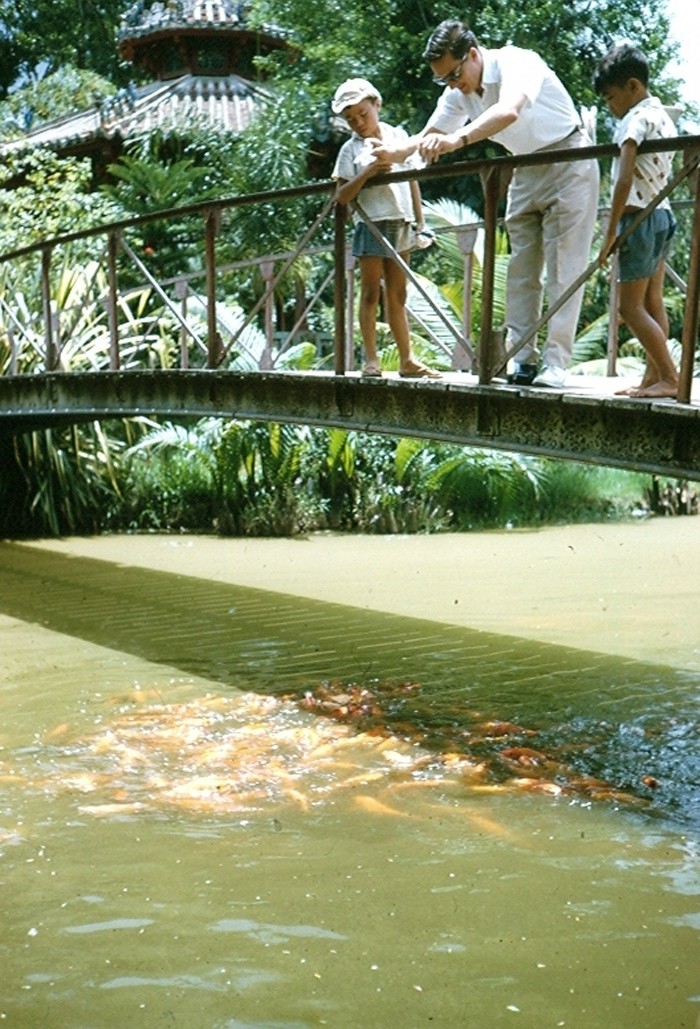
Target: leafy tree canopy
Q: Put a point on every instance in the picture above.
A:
(66, 91)
(56, 188)
(384, 41)
(38, 34)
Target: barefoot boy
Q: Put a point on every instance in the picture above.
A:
(621, 80)
(391, 208)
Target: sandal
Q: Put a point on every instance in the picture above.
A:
(416, 370)
(371, 371)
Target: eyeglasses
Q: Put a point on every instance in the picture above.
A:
(453, 76)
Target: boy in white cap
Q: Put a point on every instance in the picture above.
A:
(391, 207)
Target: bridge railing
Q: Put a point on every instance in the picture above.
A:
(127, 297)
(128, 331)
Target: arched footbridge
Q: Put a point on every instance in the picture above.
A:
(583, 423)
(96, 349)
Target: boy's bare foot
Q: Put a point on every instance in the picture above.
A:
(631, 391)
(656, 390)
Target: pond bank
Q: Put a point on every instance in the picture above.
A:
(628, 589)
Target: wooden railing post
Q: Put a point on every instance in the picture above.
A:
(13, 351)
(112, 300)
(491, 197)
(466, 240)
(613, 305)
(339, 257)
(613, 316)
(51, 351)
(350, 265)
(211, 228)
(692, 299)
(267, 270)
(181, 292)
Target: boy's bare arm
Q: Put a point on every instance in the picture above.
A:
(621, 191)
(417, 203)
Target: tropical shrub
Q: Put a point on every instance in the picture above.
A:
(255, 479)
(236, 478)
(259, 466)
(169, 480)
(60, 482)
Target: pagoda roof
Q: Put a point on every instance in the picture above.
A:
(224, 103)
(142, 22)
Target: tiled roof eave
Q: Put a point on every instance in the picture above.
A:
(183, 27)
(225, 103)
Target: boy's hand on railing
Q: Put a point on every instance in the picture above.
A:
(606, 249)
(371, 159)
(381, 163)
(423, 238)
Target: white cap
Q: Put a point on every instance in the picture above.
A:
(351, 92)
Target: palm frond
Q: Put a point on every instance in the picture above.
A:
(425, 313)
(407, 450)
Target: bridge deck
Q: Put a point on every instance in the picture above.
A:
(586, 422)
(596, 387)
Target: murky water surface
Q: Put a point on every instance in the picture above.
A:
(225, 808)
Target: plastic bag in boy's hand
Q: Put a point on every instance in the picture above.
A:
(423, 239)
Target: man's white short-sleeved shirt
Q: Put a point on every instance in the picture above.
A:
(548, 116)
(646, 120)
(386, 202)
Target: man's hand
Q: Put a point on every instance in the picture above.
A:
(435, 144)
(385, 156)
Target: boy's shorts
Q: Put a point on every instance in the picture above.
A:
(646, 247)
(398, 233)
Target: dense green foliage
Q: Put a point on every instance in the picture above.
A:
(40, 34)
(54, 199)
(385, 40)
(254, 479)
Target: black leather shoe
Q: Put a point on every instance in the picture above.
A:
(524, 375)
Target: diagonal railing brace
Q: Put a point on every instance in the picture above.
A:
(393, 253)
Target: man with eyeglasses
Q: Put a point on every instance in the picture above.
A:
(511, 96)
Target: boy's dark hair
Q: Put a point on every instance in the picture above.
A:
(450, 37)
(621, 64)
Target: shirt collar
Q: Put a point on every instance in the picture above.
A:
(489, 73)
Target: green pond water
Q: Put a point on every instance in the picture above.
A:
(222, 807)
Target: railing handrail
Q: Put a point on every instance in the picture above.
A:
(201, 207)
(435, 171)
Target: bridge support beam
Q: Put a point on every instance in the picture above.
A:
(661, 437)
